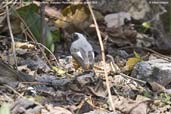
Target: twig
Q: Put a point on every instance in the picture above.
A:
(21, 96)
(9, 87)
(165, 57)
(11, 34)
(103, 56)
(113, 65)
(11, 3)
(36, 83)
(137, 80)
(6, 4)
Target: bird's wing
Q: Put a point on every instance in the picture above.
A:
(77, 54)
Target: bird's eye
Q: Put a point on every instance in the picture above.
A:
(74, 37)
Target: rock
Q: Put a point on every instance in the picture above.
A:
(116, 19)
(157, 70)
(143, 40)
(138, 9)
(106, 6)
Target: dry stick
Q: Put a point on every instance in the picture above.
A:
(6, 4)
(165, 57)
(103, 56)
(9, 87)
(137, 80)
(11, 34)
(20, 95)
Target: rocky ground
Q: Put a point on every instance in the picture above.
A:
(137, 52)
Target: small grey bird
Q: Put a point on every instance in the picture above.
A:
(82, 51)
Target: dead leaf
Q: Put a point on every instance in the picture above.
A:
(129, 106)
(133, 61)
(74, 15)
(24, 45)
(15, 26)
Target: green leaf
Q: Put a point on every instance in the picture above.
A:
(147, 94)
(165, 98)
(33, 20)
(5, 109)
(58, 70)
(49, 41)
(56, 35)
(146, 25)
(26, 11)
(137, 55)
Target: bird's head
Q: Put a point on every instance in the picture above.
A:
(77, 36)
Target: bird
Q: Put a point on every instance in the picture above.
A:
(82, 51)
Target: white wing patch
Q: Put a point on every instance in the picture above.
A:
(92, 54)
(79, 54)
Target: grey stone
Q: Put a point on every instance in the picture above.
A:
(153, 70)
(137, 8)
(116, 19)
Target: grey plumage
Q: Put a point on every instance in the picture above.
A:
(82, 51)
